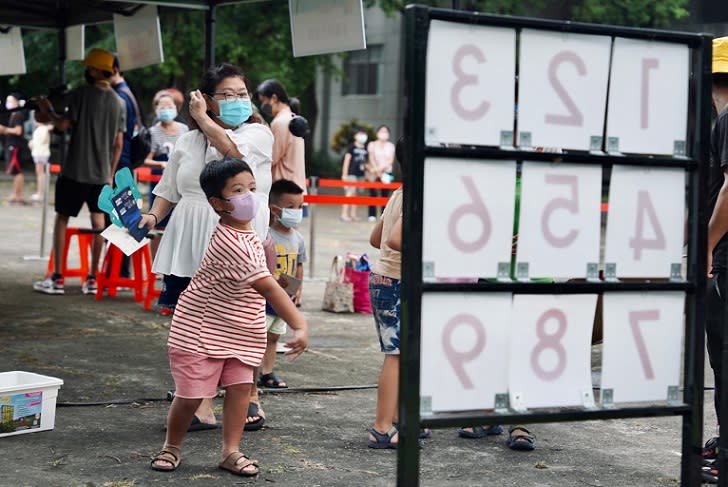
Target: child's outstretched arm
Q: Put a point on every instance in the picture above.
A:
(284, 307)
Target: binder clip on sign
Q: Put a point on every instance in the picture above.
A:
(121, 204)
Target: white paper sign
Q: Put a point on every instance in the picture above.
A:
(11, 52)
(325, 26)
(562, 89)
(643, 334)
(464, 339)
(139, 38)
(645, 221)
(648, 96)
(549, 364)
(122, 239)
(560, 220)
(470, 84)
(75, 43)
(467, 217)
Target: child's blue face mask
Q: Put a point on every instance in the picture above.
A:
(290, 217)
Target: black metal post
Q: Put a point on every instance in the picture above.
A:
(697, 272)
(210, 19)
(408, 454)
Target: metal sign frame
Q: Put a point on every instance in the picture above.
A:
(417, 22)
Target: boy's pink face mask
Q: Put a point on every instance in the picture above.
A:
(245, 206)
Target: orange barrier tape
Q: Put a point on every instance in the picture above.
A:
(338, 183)
(332, 199)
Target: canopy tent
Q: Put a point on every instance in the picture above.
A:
(59, 14)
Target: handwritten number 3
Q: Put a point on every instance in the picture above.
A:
(465, 79)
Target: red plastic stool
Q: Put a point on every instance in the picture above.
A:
(152, 292)
(85, 238)
(110, 278)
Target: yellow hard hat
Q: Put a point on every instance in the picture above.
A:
(100, 59)
(720, 55)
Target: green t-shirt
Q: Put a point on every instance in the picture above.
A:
(97, 115)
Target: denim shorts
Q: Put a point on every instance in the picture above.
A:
(384, 294)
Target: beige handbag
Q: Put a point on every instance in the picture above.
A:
(339, 295)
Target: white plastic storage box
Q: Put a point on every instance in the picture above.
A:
(27, 402)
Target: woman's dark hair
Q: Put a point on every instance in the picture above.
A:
(720, 80)
(383, 126)
(213, 77)
(272, 87)
(215, 174)
(295, 105)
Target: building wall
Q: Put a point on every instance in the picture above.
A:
(383, 108)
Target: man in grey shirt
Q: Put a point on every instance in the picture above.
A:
(96, 117)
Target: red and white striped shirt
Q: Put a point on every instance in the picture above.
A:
(220, 315)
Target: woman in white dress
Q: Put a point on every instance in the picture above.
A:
(224, 125)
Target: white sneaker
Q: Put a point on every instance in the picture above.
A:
(49, 286)
(89, 286)
(372, 218)
(35, 197)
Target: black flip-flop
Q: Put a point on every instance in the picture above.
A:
(254, 410)
(198, 425)
(480, 432)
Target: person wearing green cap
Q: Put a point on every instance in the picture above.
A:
(717, 238)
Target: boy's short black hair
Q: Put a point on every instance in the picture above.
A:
(215, 175)
(281, 187)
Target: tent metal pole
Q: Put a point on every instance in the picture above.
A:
(210, 15)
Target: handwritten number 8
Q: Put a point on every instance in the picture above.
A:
(550, 342)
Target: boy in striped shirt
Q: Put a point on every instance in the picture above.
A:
(218, 333)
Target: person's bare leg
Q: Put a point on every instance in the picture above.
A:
(178, 420)
(18, 182)
(59, 240)
(235, 408)
(387, 395)
(269, 358)
(205, 412)
(97, 223)
(40, 179)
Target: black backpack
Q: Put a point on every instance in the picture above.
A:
(141, 142)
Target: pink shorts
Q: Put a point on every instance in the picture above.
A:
(196, 376)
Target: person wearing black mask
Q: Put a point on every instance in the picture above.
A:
(97, 117)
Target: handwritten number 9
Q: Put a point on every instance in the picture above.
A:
(464, 79)
(477, 208)
(550, 342)
(457, 358)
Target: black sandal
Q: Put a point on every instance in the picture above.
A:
(271, 381)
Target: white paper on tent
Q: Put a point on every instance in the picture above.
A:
(139, 38)
(11, 52)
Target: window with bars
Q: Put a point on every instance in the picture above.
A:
(362, 72)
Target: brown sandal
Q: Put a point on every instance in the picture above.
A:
(169, 454)
(233, 464)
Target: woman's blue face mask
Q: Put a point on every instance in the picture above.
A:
(235, 112)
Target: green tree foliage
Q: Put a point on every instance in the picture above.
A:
(633, 13)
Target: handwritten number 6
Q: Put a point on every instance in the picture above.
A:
(465, 79)
(457, 358)
(477, 208)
